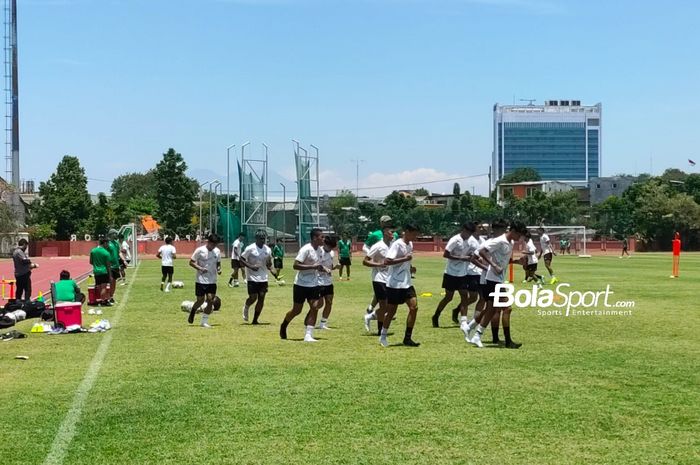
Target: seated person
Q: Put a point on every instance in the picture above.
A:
(67, 290)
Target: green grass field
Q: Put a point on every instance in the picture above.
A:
(581, 390)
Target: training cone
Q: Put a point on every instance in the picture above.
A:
(426, 294)
(40, 297)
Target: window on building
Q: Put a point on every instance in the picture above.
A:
(597, 186)
(507, 190)
(594, 121)
(530, 191)
(614, 186)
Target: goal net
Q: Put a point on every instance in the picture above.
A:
(565, 240)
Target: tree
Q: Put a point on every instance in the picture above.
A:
(399, 207)
(175, 194)
(134, 185)
(65, 200)
(102, 217)
(613, 217)
(674, 174)
(521, 175)
(421, 192)
(456, 189)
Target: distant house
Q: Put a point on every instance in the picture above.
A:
(521, 190)
(14, 200)
(602, 188)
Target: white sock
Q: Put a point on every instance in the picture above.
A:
(463, 319)
(385, 332)
(205, 319)
(167, 287)
(310, 330)
(373, 315)
(471, 324)
(324, 321)
(370, 308)
(480, 330)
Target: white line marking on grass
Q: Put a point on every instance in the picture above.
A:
(66, 432)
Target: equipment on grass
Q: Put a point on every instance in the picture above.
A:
(676, 256)
(426, 294)
(178, 285)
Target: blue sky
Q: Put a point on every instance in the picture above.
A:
(407, 85)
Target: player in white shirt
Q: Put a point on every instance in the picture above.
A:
(531, 264)
(547, 250)
(399, 288)
(236, 251)
(497, 252)
(375, 260)
(458, 254)
(207, 261)
(474, 270)
(124, 258)
(306, 289)
(325, 279)
(167, 255)
(257, 257)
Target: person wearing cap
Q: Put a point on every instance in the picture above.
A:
(257, 257)
(236, 249)
(114, 247)
(377, 236)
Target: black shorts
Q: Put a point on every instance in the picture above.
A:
(325, 290)
(116, 274)
(301, 294)
(548, 257)
(532, 267)
(399, 296)
(345, 261)
(255, 287)
(379, 290)
(167, 270)
(200, 290)
(101, 279)
(277, 263)
(473, 282)
(236, 264)
(454, 283)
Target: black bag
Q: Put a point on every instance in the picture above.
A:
(34, 309)
(11, 306)
(6, 322)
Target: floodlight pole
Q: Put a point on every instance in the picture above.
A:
(201, 191)
(213, 187)
(284, 215)
(318, 193)
(357, 176)
(228, 199)
(242, 212)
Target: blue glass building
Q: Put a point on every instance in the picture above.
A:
(560, 139)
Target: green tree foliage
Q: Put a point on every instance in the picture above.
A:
(456, 190)
(521, 175)
(65, 202)
(613, 217)
(175, 194)
(421, 192)
(134, 185)
(102, 217)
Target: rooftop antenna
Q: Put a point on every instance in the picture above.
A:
(529, 101)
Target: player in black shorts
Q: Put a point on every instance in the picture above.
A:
(257, 258)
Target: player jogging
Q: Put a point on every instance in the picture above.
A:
(236, 250)
(207, 261)
(257, 257)
(454, 279)
(308, 264)
(399, 288)
(166, 253)
(547, 250)
(375, 259)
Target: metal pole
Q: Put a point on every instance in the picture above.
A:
(284, 216)
(228, 199)
(318, 194)
(242, 205)
(212, 187)
(201, 191)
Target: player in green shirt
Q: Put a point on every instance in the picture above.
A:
(278, 255)
(100, 261)
(115, 274)
(345, 254)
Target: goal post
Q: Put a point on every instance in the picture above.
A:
(575, 235)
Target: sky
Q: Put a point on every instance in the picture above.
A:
(405, 86)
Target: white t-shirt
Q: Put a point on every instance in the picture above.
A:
(399, 275)
(126, 250)
(377, 253)
(472, 247)
(307, 256)
(326, 259)
(207, 259)
(545, 244)
(236, 249)
(257, 256)
(457, 247)
(166, 252)
(501, 250)
(532, 252)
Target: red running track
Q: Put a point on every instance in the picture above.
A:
(49, 270)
